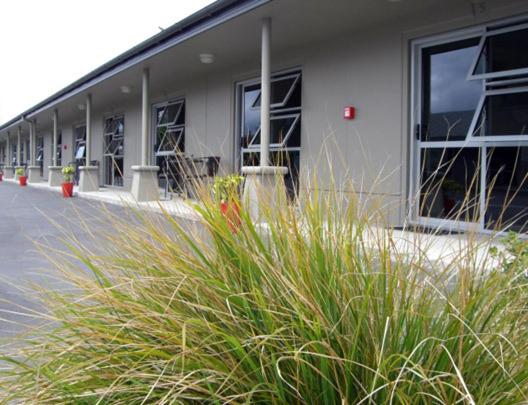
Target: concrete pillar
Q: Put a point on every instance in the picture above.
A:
(145, 113)
(264, 185)
(265, 92)
(54, 171)
(55, 136)
(88, 129)
(89, 175)
(33, 171)
(9, 169)
(145, 177)
(18, 147)
(18, 164)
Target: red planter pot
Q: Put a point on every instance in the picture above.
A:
(1, 176)
(22, 180)
(231, 211)
(67, 190)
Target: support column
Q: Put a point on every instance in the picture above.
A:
(18, 164)
(33, 171)
(264, 185)
(54, 171)
(9, 171)
(145, 177)
(89, 175)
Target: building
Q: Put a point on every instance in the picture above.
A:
(398, 87)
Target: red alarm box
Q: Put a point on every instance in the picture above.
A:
(349, 113)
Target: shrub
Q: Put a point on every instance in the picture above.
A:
(20, 171)
(226, 188)
(318, 307)
(67, 173)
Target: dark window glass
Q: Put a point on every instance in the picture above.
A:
(251, 122)
(284, 92)
(170, 114)
(449, 99)
(504, 52)
(170, 140)
(449, 185)
(504, 115)
(507, 189)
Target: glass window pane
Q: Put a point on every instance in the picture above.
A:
(507, 189)
(504, 115)
(449, 99)
(449, 186)
(280, 128)
(502, 52)
(171, 140)
(279, 91)
(251, 122)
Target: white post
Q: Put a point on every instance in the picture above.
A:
(265, 92)
(88, 175)
(145, 117)
(31, 125)
(33, 171)
(9, 151)
(88, 128)
(264, 184)
(55, 135)
(19, 145)
(54, 171)
(144, 177)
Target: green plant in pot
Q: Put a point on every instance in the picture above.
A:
(226, 190)
(21, 174)
(451, 189)
(67, 185)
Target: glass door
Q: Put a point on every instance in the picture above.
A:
(285, 126)
(169, 143)
(114, 150)
(470, 160)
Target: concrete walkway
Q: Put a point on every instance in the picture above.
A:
(176, 206)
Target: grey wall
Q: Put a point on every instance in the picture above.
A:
(367, 69)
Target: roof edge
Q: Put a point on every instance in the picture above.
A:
(200, 17)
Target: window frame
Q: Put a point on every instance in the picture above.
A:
(107, 153)
(495, 75)
(296, 116)
(478, 112)
(484, 142)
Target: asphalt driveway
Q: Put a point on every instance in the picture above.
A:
(28, 217)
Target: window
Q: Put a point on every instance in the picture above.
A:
(470, 163)
(40, 154)
(285, 125)
(503, 113)
(79, 134)
(449, 99)
(169, 142)
(170, 128)
(501, 53)
(114, 150)
(58, 151)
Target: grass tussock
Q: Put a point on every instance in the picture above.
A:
(317, 307)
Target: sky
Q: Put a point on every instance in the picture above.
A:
(46, 45)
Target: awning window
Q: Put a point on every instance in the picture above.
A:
(502, 53)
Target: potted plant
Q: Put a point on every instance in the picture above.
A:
(1, 175)
(226, 192)
(451, 191)
(22, 179)
(67, 184)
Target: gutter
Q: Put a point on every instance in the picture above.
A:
(205, 19)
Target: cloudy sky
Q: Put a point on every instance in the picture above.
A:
(46, 45)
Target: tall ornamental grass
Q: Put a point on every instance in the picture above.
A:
(317, 306)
